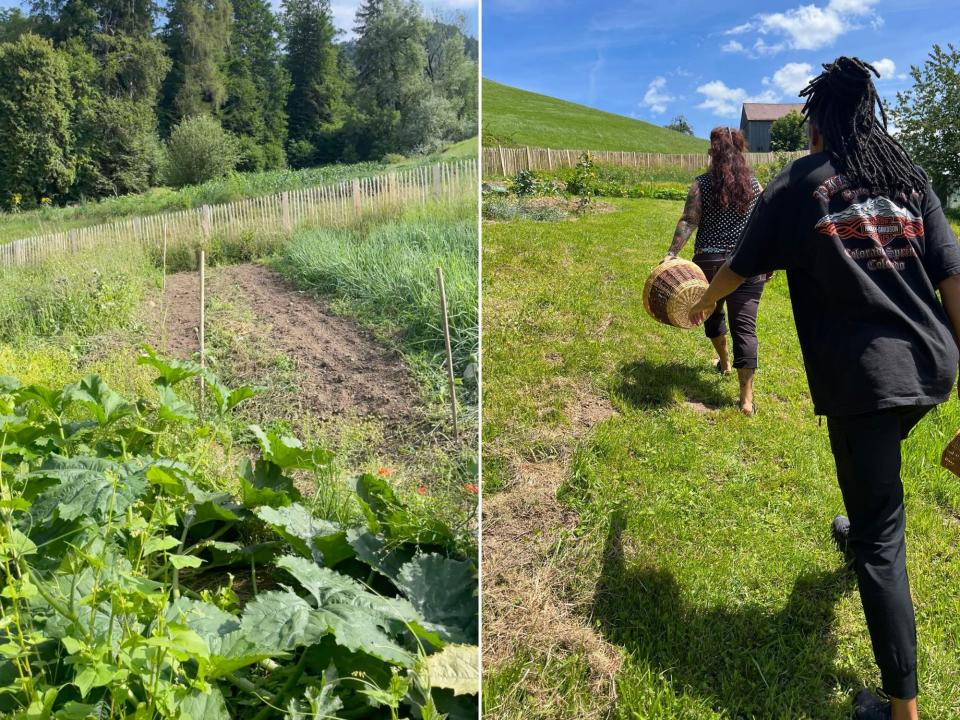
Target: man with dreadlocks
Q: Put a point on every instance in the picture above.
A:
(866, 246)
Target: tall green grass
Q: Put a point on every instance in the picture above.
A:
(79, 295)
(386, 272)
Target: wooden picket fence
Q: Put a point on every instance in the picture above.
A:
(283, 212)
(506, 161)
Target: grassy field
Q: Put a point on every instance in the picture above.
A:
(700, 552)
(237, 186)
(512, 116)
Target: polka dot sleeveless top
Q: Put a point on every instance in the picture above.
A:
(720, 228)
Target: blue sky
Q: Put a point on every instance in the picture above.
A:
(343, 11)
(701, 58)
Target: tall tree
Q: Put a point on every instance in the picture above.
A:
(453, 74)
(35, 104)
(197, 37)
(257, 86)
(393, 92)
(788, 133)
(315, 105)
(925, 118)
(681, 125)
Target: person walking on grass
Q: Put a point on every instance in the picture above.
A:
(866, 246)
(718, 205)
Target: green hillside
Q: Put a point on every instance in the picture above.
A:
(517, 117)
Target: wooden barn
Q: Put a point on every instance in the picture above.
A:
(756, 119)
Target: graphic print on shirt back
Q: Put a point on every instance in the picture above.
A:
(888, 226)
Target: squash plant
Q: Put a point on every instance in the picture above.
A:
(119, 558)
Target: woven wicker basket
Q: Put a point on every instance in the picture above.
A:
(672, 289)
(951, 455)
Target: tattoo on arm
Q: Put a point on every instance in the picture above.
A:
(688, 221)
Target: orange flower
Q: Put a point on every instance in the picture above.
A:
(422, 489)
(471, 488)
(385, 472)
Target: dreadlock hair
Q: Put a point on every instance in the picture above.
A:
(841, 102)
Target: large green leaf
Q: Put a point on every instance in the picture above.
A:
(233, 651)
(264, 483)
(54, 401)
(211, 505)
(444, 591)
(105, 403)
(388, 515)
(225, 398)
(92, 487)
(173, 408)
(317, 703)
(208, 705)
(358, 619)
(376, 552)
(317, 539)
(229, 647)
(203, 618)
(456, 668)
(281, 621)
(288, 452)
(171, 371)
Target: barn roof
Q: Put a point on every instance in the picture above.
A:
(769, 111)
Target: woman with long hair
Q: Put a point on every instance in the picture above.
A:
(718, 206)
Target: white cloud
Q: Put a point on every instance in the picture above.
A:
(726, 101)
(762, 48)
(739, 29)
(852, 7)
(656, 97)
(808, 27)
(886, 67)
(791, 78)
(733, 47)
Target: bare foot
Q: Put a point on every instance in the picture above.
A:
(749, 409)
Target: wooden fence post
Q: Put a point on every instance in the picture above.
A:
(437, 185)
(446, 336)
(357, 205)
(285, 212)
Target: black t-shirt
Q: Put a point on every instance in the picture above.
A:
(862, 272)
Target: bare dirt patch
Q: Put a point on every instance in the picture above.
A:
(529, 605)
(340, 369)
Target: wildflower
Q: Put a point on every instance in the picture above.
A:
(44, 200)
(16, 198)
(385, 472)
(422, 489)
(471, 488)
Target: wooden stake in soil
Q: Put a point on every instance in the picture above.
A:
(203, 316)
(446, 337)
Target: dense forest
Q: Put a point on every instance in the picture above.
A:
(108, 97)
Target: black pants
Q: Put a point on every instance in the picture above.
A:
(742, 304)
(867, 452)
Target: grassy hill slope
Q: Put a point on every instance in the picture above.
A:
(517, 117)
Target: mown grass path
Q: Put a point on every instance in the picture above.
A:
(702, 553)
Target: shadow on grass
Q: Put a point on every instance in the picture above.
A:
(749, 660)
(645, 385)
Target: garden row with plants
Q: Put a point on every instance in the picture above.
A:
(517, 196)
(164, 553)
